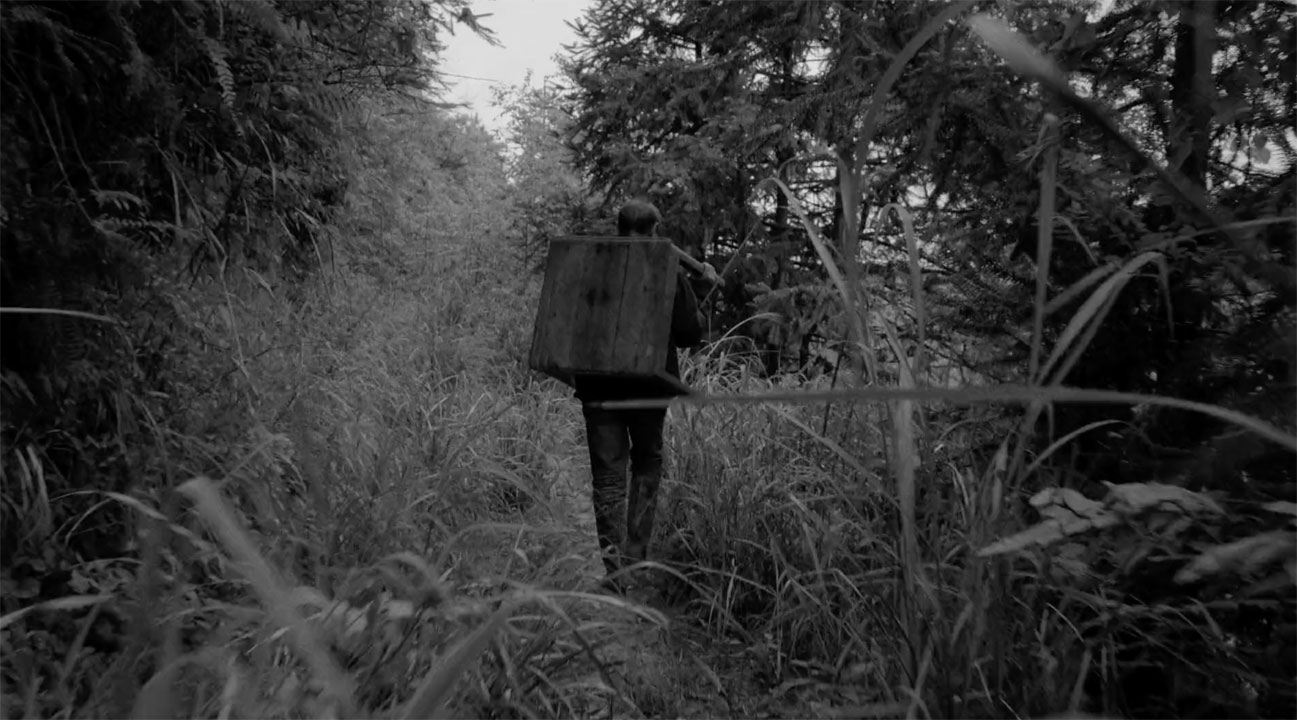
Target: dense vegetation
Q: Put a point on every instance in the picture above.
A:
(1135, 237)
(270, 447)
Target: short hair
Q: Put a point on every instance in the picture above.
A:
(638, 217)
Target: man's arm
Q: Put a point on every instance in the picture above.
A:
(686, 322)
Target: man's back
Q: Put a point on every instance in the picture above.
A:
(619, 439)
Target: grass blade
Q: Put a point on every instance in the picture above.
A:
(270, 589)
(916, 281)
(846, 457)
(1016, 394)
(1078, 287)
(1044, 239)
(1059, 443)
(429, 700)
(905, 467)
(72, 602)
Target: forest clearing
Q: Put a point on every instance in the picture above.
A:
(994, 412)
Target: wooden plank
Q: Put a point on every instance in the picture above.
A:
(550, 337)
(626, 333)
(643, 333)
(538, 356)
(594, 315)
(662, 285)
(592, 307)
(565, 275)
(559, 284)
(566, 279)
(650, 298)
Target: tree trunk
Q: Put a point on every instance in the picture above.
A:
(1192, 90)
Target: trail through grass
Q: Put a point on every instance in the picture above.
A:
(364, 504)
(501, 484)
(664, 664)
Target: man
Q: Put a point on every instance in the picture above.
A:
(618, 437)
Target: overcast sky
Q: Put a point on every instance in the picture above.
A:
(530, 32)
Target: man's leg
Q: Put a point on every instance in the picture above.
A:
(606, 435)
(646, 476)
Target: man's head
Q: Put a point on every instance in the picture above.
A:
(638, 217)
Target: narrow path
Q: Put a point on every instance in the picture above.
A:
(659, 670)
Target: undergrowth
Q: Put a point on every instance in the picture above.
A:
(883, 558)
(347, 508)
(341, 493)
(779, 525)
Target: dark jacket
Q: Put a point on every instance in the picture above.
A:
(686, 331)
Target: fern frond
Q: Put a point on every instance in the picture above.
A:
(128, 229)
(64, 40)
(119, 200)
(55, 31)
(329, 103)
(139, 69)
(219, 57)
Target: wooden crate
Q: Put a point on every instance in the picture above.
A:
(605, 310)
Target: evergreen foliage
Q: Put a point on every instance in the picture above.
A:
(174, 179)
(270, 447)
(698, 105)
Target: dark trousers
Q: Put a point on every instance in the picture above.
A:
(616, 437)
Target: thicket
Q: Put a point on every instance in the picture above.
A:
(265, 405)
(895, 206)
(245, 258)
(143, 136)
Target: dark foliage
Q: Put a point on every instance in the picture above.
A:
(146, 145)
(696, 104)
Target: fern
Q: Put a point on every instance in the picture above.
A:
(119, 200)
(219, 57)
(38, 16)
(327, 103)
(156, 232)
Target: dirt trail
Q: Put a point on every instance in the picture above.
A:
(662, 670)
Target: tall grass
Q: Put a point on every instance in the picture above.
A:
(868, 551)
(367, 511)
(355, 509)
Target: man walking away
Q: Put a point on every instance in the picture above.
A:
(621, 437)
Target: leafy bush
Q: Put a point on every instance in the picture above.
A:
(1038, 239)
(179, 305)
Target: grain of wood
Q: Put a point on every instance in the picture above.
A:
(605, 309)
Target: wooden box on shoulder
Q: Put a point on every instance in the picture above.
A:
(605, 310)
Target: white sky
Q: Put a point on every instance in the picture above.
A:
(530, 32)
